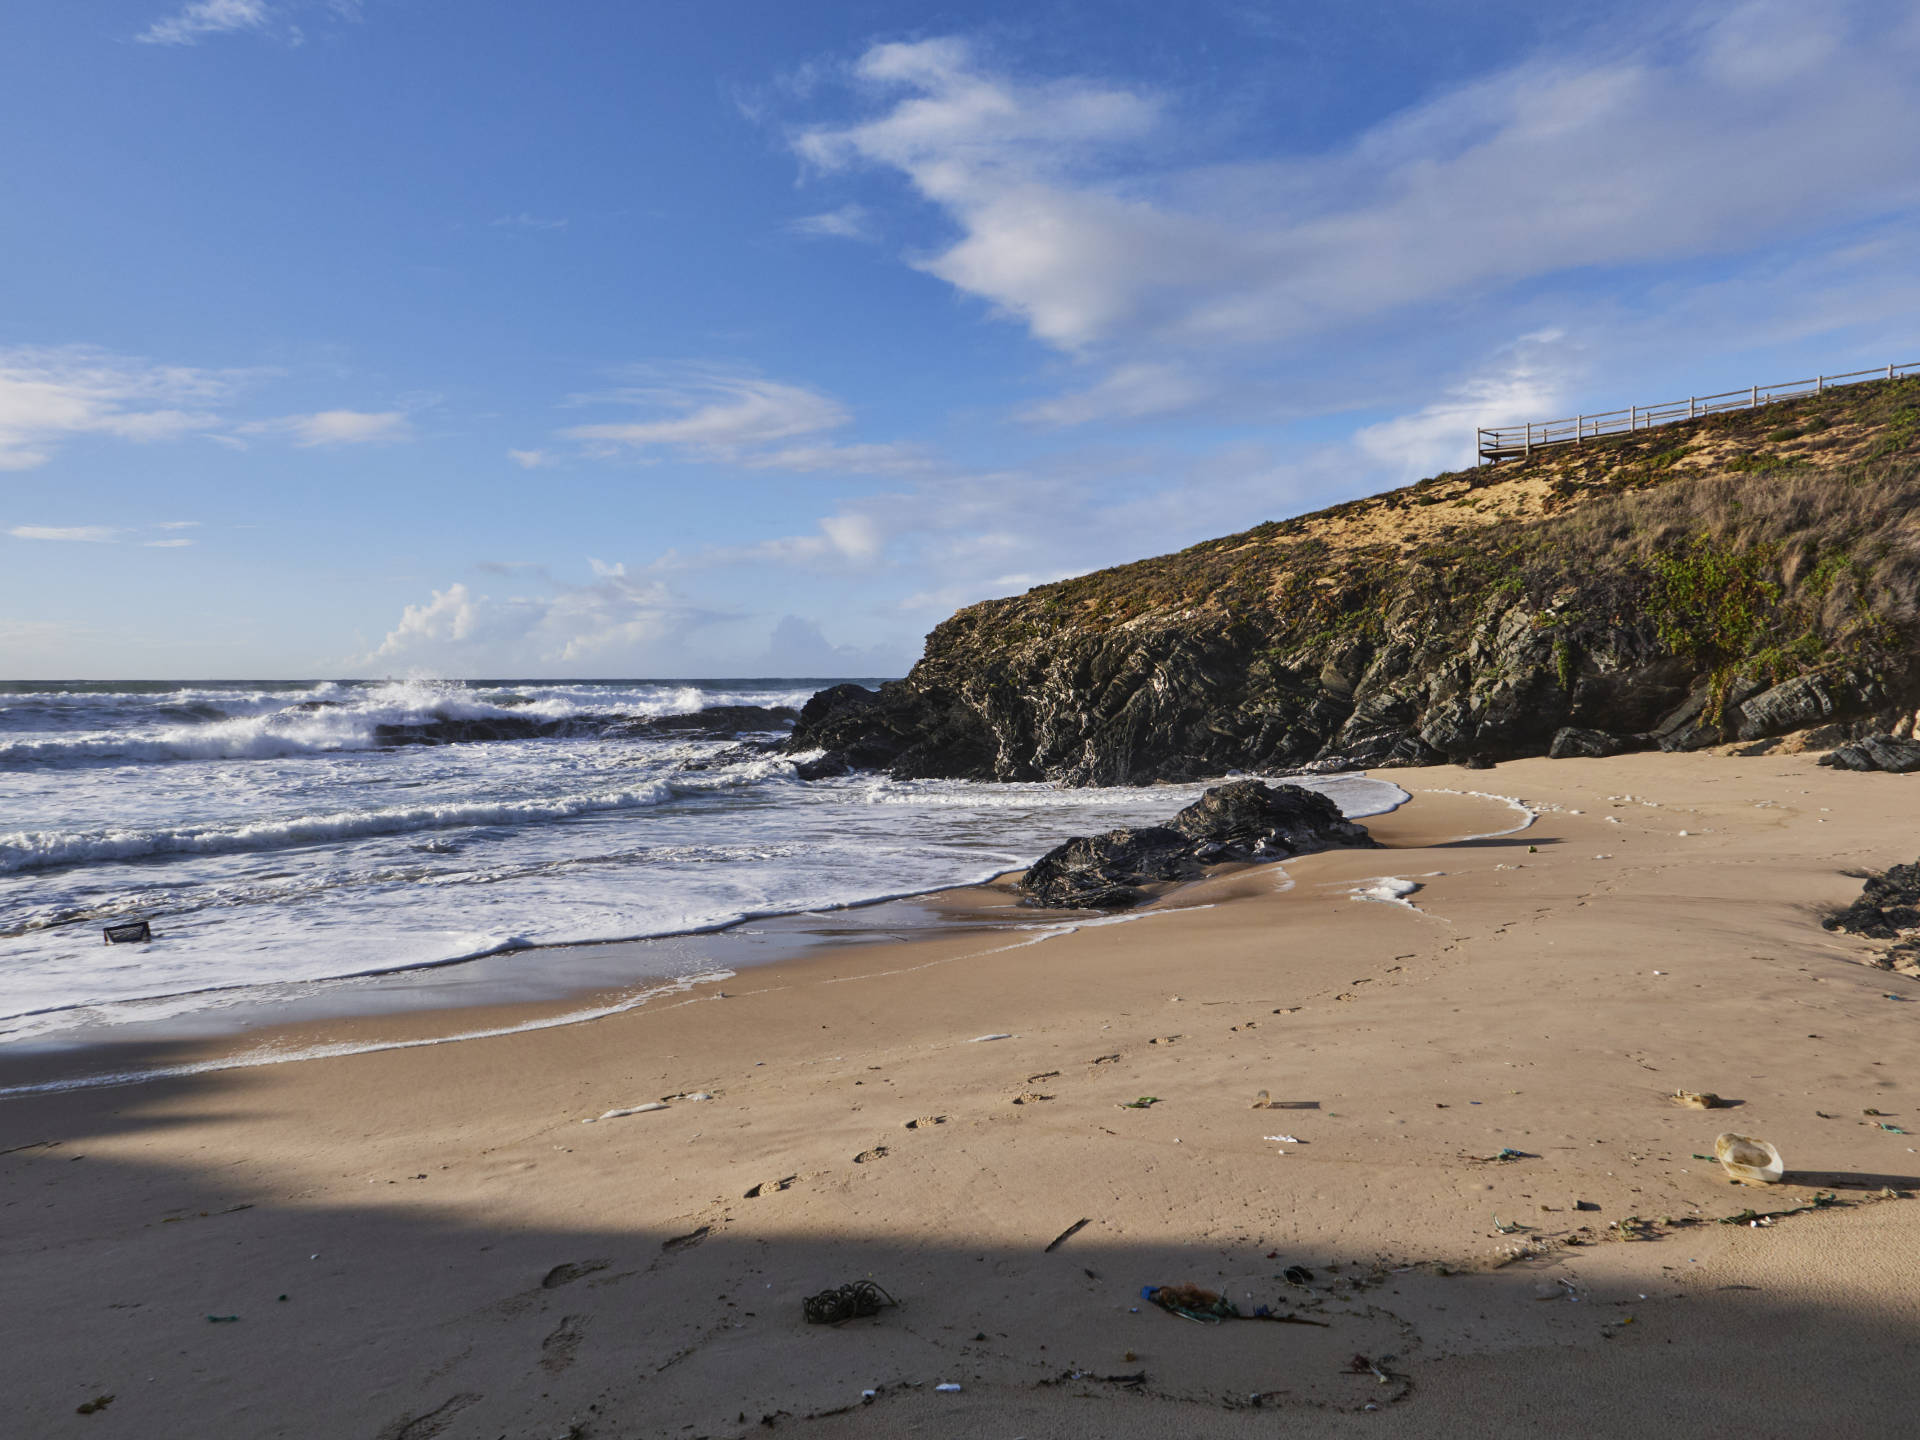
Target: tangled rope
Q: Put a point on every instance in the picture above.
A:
(849, 1302)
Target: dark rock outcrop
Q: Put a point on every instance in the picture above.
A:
(1646, 590)
(1570, 742)
(718, 722)
(1888, 909)
(1876, 752)
(1243, 820)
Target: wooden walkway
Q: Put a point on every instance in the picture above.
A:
(1512, 442)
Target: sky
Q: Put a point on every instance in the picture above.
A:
(493, 338)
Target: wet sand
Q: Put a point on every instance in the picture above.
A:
(460, 1256)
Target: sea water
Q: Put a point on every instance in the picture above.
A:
(286, 834)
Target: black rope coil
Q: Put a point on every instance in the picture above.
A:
(849, 1302)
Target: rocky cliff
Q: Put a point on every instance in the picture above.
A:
(1727, 579)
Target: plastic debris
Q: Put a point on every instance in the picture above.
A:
(1748, 1159)
(978, 1039)
(127, 932)
(1297, 1275)
(850, 1302)
(1890, 1129)
(1697, 1099)
(651, 1105)
(1283, 1139)
(948, 1388)
(222, 1319)
(1145, 1102)
(1505, 1153)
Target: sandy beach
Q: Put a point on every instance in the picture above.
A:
(428, 1241)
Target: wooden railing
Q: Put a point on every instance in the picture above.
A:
(1507, 442)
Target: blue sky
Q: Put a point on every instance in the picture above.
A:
(350, 337)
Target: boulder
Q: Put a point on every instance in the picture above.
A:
(824, 767)
(1250, 819)
(1571, 742)
(1242, 820)
(1889, 905)
(1876, 752)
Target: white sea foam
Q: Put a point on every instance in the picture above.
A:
(328, 857)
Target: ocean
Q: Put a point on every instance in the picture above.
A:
(283, 835)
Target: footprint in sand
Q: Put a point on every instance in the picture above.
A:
(926, 1122)
(768, 1187)
(1030, 1097)
(1103, 1059)
(557, 1350)
(878, 1152)
(570, 1272)
(687, 1241)
(424, 1427)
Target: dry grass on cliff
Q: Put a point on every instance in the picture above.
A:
(1843, 544)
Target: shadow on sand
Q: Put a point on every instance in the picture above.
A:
(405, 1317)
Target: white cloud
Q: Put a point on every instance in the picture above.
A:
(1716, 135)
(718, 416)
(53, 393)
(849, 222)
(846, 459)
(615, 621)
(728, 417)
(524, 221)
(1532, 380)
(206, 17)
(531, 459)
(1128, 392)
(177, 525)
(91, 534)
(166, 544)
(335, 427)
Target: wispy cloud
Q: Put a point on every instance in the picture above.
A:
(89, 534)
(166, 544)
(721, 416)
(335, 427)
(1531, 378)
(849, 222)
(53, 393)
(206, 17)
(177, 525)
(1717, 133)
(531, 459)
(524, 221)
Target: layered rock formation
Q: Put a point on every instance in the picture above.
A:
(1722, 580)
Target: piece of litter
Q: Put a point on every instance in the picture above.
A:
(868, 1394)
(627, 1110)
(997, 1035)
(1696, 1099)
(1067, 1234)
(1283, 1139)
(699, 1095)
(1746, 1158)
(949, 1388)
(1145, 1102)
(222, 1319)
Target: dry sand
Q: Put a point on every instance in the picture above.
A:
(429, 1242)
